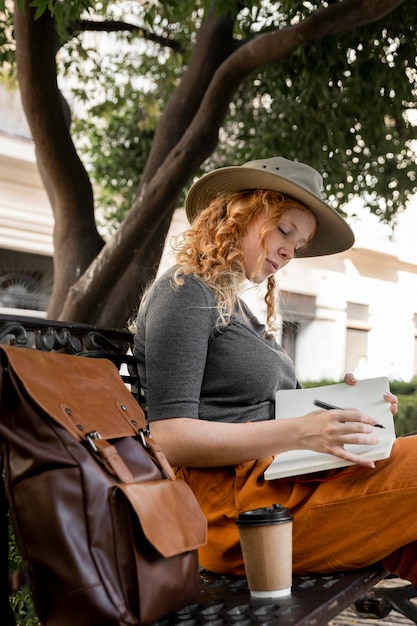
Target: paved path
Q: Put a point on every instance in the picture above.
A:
(349, 617)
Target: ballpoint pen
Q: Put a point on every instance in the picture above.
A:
(327, 406)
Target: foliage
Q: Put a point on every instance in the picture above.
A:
(406, 418)
(20, 600)
(339, 105)
(115, 133)
(115, 130)
(117, 140)
(401, 388)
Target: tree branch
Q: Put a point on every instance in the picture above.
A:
(213, 45)
(346, 15)
(114, 26)
(271, 47)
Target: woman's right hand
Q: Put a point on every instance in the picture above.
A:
(330, 430)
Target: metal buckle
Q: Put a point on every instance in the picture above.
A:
(90, 437)
(144, 432)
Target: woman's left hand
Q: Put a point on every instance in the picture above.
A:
(393, 400)
(349, 379)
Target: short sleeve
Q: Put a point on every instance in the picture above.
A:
(173, 332)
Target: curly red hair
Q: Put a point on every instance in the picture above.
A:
(211, 247)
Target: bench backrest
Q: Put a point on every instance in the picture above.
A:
(72, 338)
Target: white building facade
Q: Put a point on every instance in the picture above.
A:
(26, 221)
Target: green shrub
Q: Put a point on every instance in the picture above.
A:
(20, 600)
(406, 418)
(400, 388)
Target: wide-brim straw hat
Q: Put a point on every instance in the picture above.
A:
(298, 180)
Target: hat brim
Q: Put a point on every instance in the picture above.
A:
(332, 235)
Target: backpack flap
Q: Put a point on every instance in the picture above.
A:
(74, 390)
(85, 396)
(169, 515)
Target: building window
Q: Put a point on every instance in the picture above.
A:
(357, 352)
(289, 338)
(19, 290)
(357, 339)
(25, 280)
(296, 309)
(357, 312)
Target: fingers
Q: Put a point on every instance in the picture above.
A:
(354, 458)
(354, 438)
(348, 427)
(331, 430)
(353, 420)
(393, 400)
(359, 439)
(349, 379)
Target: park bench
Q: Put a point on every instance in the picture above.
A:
(223, 600)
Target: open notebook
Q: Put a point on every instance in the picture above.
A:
(366, 395)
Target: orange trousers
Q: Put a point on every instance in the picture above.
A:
(343, 519)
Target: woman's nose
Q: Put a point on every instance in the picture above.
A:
(287, 252)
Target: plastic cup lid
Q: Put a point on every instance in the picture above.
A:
(275, 514)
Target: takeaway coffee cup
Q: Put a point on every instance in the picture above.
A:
(266, 541)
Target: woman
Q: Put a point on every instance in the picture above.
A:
(210, 372)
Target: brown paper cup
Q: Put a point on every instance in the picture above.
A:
(266, 542)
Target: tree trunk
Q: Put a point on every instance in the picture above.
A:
(76, 240)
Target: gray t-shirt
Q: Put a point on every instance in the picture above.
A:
(191, 368)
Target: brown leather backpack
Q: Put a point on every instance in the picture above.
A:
(107, 534)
